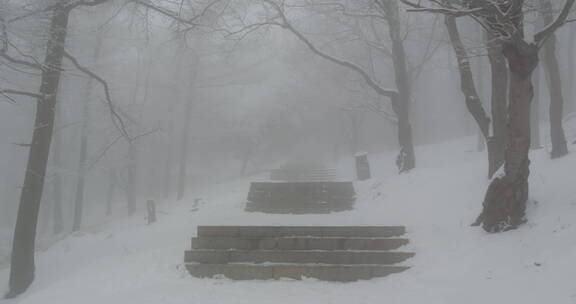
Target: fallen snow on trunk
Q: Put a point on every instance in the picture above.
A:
(129, 262)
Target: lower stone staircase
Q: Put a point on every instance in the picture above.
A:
(331, 253)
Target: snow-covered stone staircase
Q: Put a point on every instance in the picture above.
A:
(331, 253)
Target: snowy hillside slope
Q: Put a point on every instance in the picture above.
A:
(129, 262)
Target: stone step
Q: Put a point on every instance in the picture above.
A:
(298, 243)
(297, 208)
(300, 193)
(341, 273)
(319, 231)
(208, 256)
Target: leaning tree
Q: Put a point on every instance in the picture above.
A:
(492, 129)
(505, 201)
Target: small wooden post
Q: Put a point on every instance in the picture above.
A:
(362, 166)
(151, 208)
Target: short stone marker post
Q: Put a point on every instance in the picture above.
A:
(151, 208)
(362, 166)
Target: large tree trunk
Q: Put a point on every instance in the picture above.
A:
(557, 137)
(498, 104)
(505, 200)
(401, 103)
(406, 159)
(22, 262)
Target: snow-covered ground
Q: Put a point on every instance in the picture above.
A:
(129, 262)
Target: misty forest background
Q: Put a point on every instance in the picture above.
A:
(158, 98)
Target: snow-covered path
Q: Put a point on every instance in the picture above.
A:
(129, 262)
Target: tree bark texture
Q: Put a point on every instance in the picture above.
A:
(406, 159)
(22, 262)
(505, 201)
(498, 105)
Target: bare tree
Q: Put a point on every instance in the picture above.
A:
(468, 87)
(22, 262)
(505, 201)
(399, 98)
(82, 162)
(554, 81)
(185, 140)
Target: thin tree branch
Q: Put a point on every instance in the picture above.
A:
(456, 12)
(392, 94)
(7, 92)
(116, 118)
(541, 36)
(175, 15)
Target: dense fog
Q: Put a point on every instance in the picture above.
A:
(158, 99)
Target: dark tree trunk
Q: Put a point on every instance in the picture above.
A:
(480, 139)
(570, 96)
(22, 262)
(58, 224)
(570, 102)
(406, 160)
(505, 200)
(467, 86)
(535, 113)
(496, 141)
(498, 104)
(557, 137)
